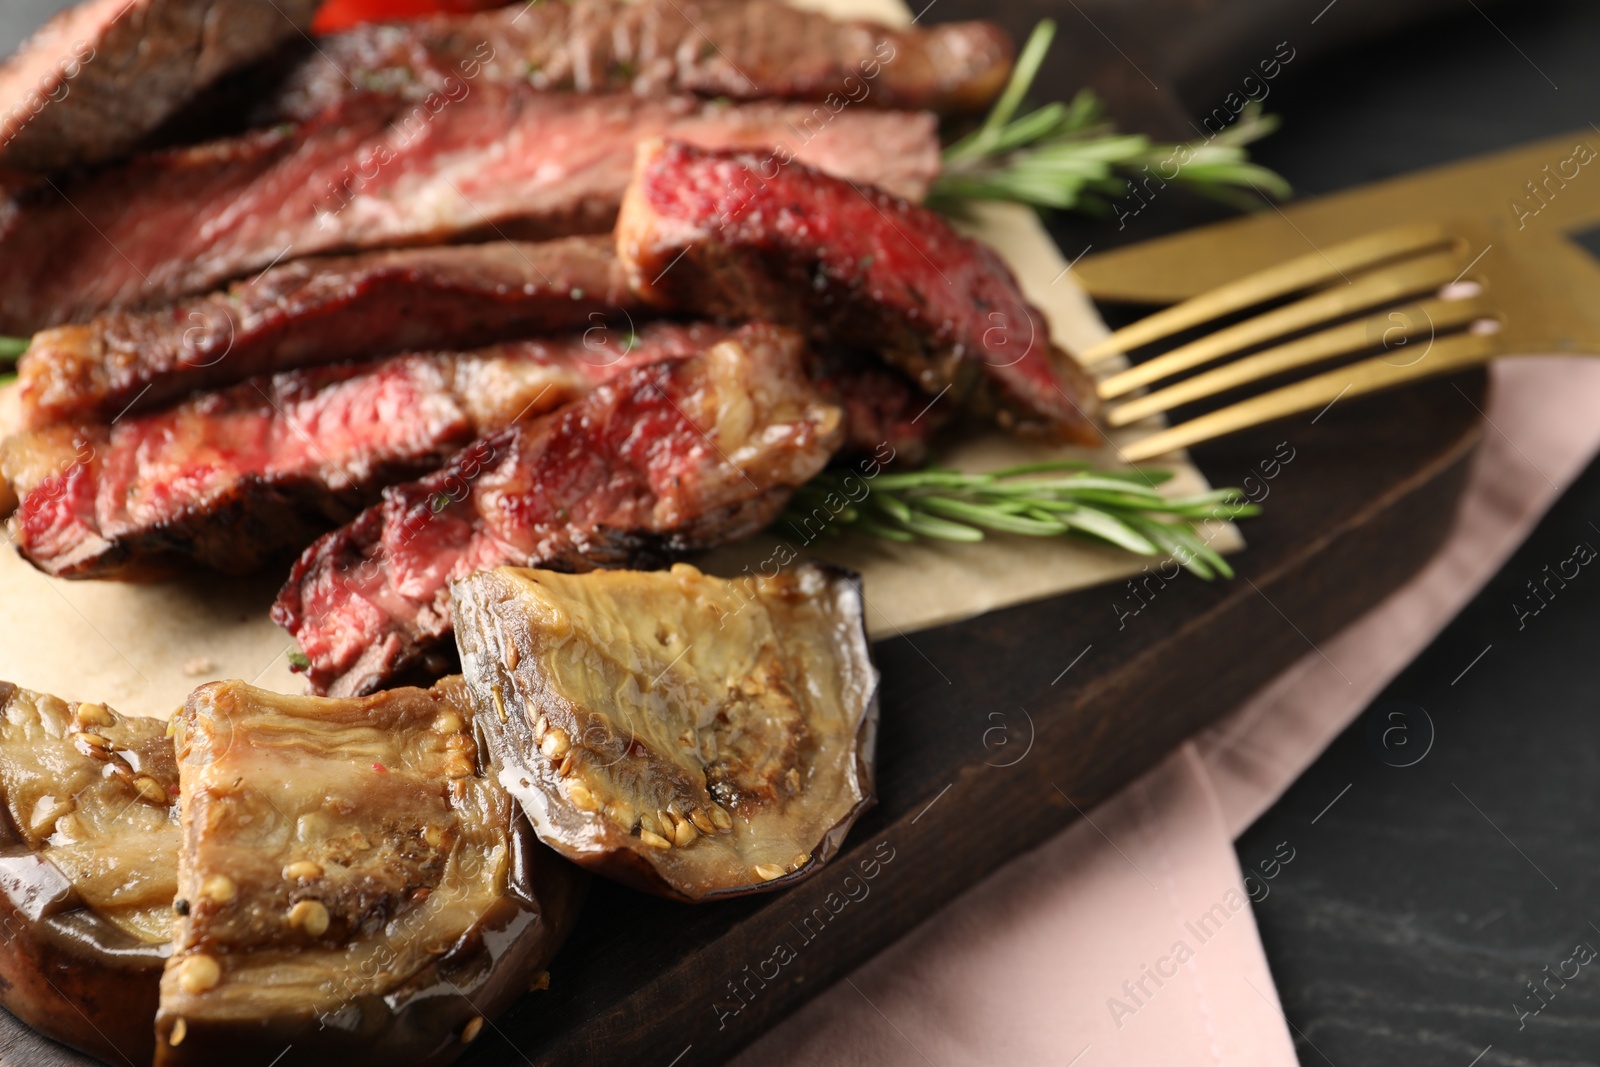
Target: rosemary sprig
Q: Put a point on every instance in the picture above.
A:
(1070, 156)
(1120, 508)
(12, 347)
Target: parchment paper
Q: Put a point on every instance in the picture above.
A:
(142, 648)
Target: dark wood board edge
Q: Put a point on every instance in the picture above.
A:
(1373, 498)
(1366, 502)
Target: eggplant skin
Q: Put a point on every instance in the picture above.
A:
(66, 969)
(61, 965)
(691, 736)
(430, 924)
(425, 1021)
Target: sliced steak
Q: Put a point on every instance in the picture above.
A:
(740, 49)
(666, 458)
(500, 161)
(321, 310)
(736, 233)
(94, 80)
(230, 478)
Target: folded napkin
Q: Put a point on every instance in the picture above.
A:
(1129, 939)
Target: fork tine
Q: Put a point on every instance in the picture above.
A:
(1314, 268)
(1393, 283)
(1367, 376)
(1341, 340)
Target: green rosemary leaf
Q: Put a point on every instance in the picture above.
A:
(990, 517)
(941, 529)
(1069, 157)
(12, 347)
(1107, 526)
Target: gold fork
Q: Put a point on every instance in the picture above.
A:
(1493, 276)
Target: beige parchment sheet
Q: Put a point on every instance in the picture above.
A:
(142, 648)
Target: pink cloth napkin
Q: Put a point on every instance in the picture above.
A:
(1129, 938)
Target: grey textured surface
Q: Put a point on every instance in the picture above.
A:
(18, 18)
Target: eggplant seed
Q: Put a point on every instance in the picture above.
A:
(199, 974)
(219, 889)
(95, 715)
(151, 791)
(581, 796)
(311, 916)
(555, 743)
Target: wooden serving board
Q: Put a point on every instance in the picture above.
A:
(1369, 495)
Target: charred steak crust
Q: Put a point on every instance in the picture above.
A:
(743, 234)
(763, 49)
(100, 76)
(228, 479)
(375, 172)
(321, 310)
(667, 458)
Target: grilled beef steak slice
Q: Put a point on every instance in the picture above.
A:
(88, 871)
(502, 161)
(666, 458)
(352, 882)
(230, 478)
(886, 416)
(693, 736)
(762, 48)
(97, 78)
(731, 232)
(313, 311)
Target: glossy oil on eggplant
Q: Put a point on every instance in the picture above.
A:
(349, 883)
(693, 736)
(88, 851)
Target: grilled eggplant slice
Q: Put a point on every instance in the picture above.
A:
(692, 736)
(88, 845)
(349, 882)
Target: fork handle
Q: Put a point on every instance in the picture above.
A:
(1321, 391)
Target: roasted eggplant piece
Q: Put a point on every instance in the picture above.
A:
(349, 883)
(692, 736)
(87, 871)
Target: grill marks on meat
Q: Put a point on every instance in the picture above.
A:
(666, 458)
(763, 48)
(736, 233)
(94, 80)
(230, 478)
(374, 172)
(318, 311)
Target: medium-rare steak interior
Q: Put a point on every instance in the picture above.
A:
(664, 459)
(228, 479)
(350, 881)
(92, 82)
(320, 310)
(502, 161)
(697, 737)
(740, 49)
(88, 850)
(733, 232)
